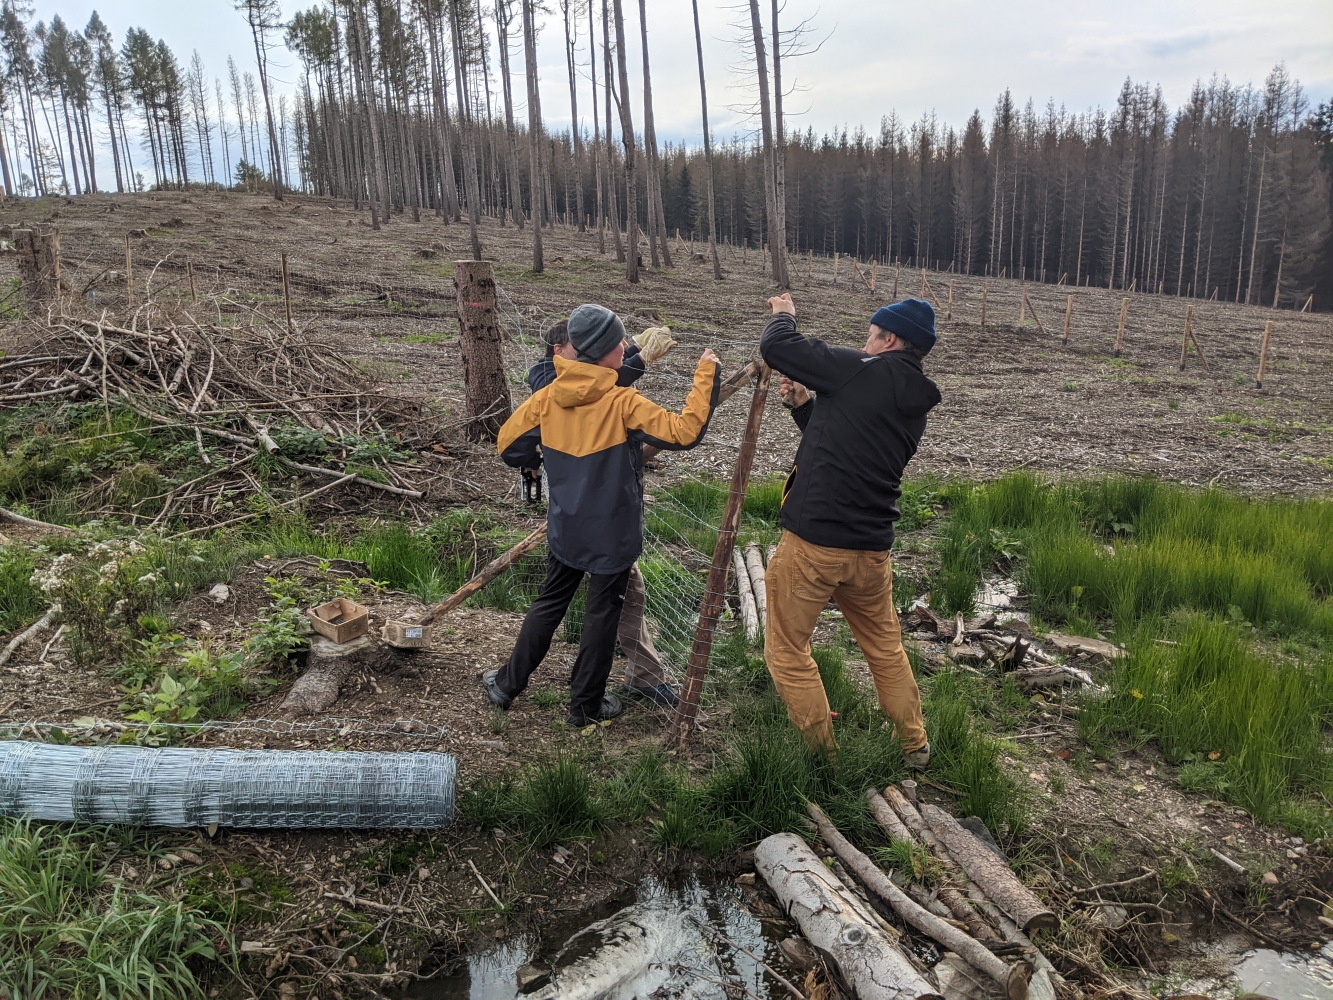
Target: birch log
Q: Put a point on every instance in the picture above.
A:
(958, 907)
(1042, 986)
(1013, 978)
(754, 561)
(987, 870)
(749, 612)
(837, 923)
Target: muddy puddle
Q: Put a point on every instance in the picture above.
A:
(647, 941)
(1287, 976)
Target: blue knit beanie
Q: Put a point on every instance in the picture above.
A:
(913, 320)
(594, 331)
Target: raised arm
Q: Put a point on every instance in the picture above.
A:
(521, 435)
(807, 360)
(669, 431)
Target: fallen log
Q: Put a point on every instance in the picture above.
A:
(754, 562)
(1030, 678)
(958, 907)
(837, 923)
(1042, 986)
(328, 666)
(749, 610)
(1014, 978)
(993, 875)
(9, 515)
(37, 626)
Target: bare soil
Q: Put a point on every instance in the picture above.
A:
(1013, 397)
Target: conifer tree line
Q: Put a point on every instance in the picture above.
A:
(408, 107)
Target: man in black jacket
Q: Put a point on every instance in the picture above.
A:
(839, 505)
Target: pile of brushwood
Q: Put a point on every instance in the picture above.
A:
(241, 392)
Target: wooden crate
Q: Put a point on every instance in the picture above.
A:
(405, 635)
(341, 620)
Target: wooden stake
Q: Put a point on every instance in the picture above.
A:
(810, 265)
(1185, 337)
(1022, 302)
(985, 290)
(1069, 312)
(949, 312)
(129, 272)
(286, 293)
(923, 282)
(897, 271)
(873, 264)
(55, 258)
(1263, 354)
(745, 251)
(1308, 303)
(1120, 333)
(837, 257)
(189, 269)
(687, 709)
(1035, 317)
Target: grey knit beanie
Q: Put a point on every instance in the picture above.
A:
(594, 331)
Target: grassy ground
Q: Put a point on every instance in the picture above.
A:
(1223, 602)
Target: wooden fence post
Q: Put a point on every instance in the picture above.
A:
(837, 259)
(286, 292)
(129, 272)
(1022, 300)
(189, 270)
(1069, 312)
(486, 390)
(1185, 337)
(923, 283)
(1263, 354)
(1308, 303)
(949, 312)
(687, 708)
(985, 291)
(810, 265)
(873, 264)
(1120, 332)
(897, 271)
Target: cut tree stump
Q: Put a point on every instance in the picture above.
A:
(837, 923)
(38, 263)
(328, 666)
(993, 875)
(486, 390)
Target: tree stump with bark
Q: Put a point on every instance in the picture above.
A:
(486, 390)
(39, 263)
(330, 664)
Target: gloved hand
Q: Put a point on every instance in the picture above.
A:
(654, 343)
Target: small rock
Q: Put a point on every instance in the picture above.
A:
(531, 977)
(1102, 766)
(799, 952)
(1292, 855)
(499, 933)
(220, 593)
(352, 963)
(286, 990)
(247, 882)
(1269, 879)
(423, 873)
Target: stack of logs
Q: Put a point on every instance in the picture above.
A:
(748, 567)
(981, 912)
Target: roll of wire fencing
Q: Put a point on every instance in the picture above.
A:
(164, 786)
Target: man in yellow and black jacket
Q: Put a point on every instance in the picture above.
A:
(591, 432)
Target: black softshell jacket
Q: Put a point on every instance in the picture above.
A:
(859, 434)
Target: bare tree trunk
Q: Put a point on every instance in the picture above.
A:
(656, 215)
(378, 206)
(778, 247)
(1258, 209)
(708, 147)
(613, 207)
(766, 121)
(503, 18)
(627, 137)
(534, 133)
(469, 130)
(576, 132)
(596, 130)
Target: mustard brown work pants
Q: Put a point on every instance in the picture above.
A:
(800, 579)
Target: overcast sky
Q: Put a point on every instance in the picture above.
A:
(946, 57)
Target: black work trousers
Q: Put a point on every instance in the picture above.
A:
(587, 684)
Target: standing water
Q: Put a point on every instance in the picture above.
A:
(1288, 976)
(663, 948)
